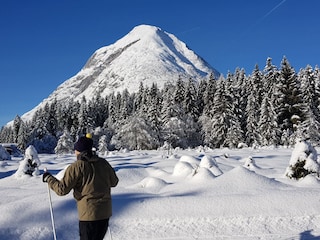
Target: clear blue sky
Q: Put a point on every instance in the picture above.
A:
(43, 42)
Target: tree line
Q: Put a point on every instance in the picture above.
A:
(273, 106)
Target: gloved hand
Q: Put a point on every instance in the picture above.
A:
(46, 176)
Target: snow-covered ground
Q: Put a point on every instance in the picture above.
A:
(192, 194)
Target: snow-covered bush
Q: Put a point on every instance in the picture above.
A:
(303, 161)
(45, 145)
(250, 163)
(65, 144)
(4, 155)
(30, 164)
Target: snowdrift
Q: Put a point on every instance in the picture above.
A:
(175, 197)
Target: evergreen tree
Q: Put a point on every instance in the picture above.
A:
(208, 96)
(22, 136)
(168, 104)
(270, 73)
(288, 97)
(310, 126)
(173, 132)
(113, 115)
(52, 124)
(6, 135)
(38, 127)
(84, 125)
(234, 134)
(97, 111)
(62, 116)
(16, 127)
(154, 111)
(174, 118)
(135, 134)
(268, 127)
(139, 96)
(253, 108)
(270, 103)
(65, 144)
(216, 123)
(103, 145)
(179, 92)
(126, 105)
(190, 103)
(240, 96)
(200, 96)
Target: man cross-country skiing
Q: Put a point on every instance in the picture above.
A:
(91, 179)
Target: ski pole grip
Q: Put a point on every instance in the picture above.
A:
(45, 169)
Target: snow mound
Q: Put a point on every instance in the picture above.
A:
(189, 159)
(156, 172)
(3, 164)
(183, 169)
(4, 155)
(241, 179)
(210, 163)
(309, 180)
(207, 162)
(130, 176)
(202, 175)
(152, 184)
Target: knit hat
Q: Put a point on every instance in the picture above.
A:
(83, 144)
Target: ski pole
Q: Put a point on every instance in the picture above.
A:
(51, 212)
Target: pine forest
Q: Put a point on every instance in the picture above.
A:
(272, 106)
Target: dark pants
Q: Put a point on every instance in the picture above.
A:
(93, 230)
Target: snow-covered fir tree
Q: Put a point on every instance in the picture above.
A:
(208, 95)
(253, 107)
(288, 101)
(84, 123)
(303, 161)
(268, 126)
(65, 144)
(153, 112)
(215, 124)
(172, 116)
(22, 136)
(30, 163)
(269, 118)
(103, 145)
(135, 134)
(310, 107)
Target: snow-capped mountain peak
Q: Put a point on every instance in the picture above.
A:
(146, 54)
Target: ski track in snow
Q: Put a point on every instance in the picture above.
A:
(161, 197)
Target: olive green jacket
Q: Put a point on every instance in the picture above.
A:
(91, 178)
